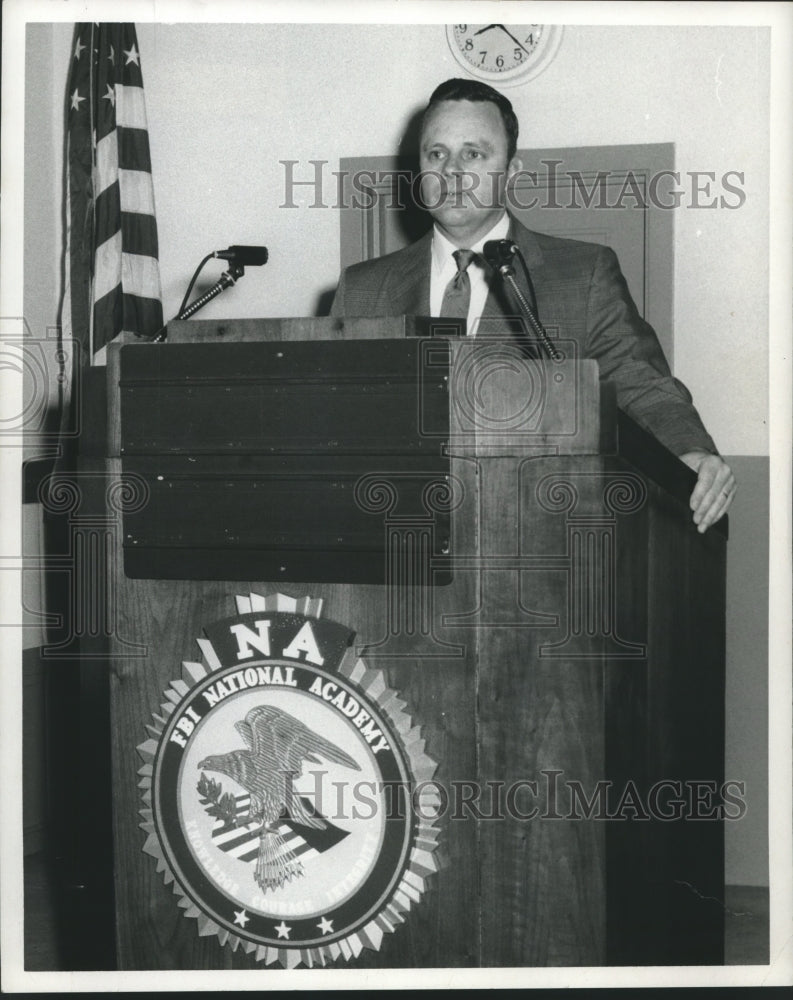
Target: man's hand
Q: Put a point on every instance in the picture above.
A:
(715, 487)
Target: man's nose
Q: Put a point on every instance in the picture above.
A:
(453, 165)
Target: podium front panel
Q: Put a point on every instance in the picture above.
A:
(539, 648)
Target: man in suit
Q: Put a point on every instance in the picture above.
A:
(468, 143)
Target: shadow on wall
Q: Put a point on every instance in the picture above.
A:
(413, 220)
(324, 302)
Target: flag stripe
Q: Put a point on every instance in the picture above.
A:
(234, 833)
(109, 310)
(128, 313)
(140, 275)
(137, 193)
(298, 848)
(107, 210)
(138, 229)
(106, 163)
(137, 190)
(108, 265)
(130, 107)
(139, 236)
(133, 149)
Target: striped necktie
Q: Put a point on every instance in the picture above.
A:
(457, 296)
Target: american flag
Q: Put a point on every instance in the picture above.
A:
(240, 837)
(242, 841)
(112, 276)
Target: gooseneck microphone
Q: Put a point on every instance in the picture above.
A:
(244, 256)
(239, 257)
(500, 254)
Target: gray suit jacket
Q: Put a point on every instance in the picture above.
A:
(581, 295)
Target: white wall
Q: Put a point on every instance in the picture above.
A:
(226, 103)
(46, 68)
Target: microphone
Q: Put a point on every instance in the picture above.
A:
(243, 256)
(499, 253)
(239, 258)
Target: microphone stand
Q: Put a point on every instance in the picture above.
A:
(226, 280)
(507, 271)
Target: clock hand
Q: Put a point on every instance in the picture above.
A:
(487, 27)
(512, 37)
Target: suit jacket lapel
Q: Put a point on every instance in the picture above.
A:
(497, 305)
(409, 285)
(527, 242)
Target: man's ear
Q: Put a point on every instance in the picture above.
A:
(515, 165)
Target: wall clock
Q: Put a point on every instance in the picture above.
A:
(505, 54)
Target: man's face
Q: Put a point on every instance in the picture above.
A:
(464, 162)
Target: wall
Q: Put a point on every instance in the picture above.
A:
(45, 85)
(226, 103)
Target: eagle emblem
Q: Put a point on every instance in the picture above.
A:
(278, 747)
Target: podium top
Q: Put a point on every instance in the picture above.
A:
(227, 383)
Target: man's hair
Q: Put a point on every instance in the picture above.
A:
(458, 89)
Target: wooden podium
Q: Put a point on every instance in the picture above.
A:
(513, 555)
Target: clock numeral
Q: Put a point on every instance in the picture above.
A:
(513, 52)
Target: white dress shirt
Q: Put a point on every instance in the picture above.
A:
(444, 268)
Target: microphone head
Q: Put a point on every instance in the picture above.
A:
(244, 256)
(499, 252)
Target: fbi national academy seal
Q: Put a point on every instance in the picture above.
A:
(287, 795)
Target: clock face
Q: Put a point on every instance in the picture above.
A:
(504, 53)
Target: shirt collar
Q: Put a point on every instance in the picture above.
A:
(442, 248)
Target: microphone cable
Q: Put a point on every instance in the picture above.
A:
(196, 273)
